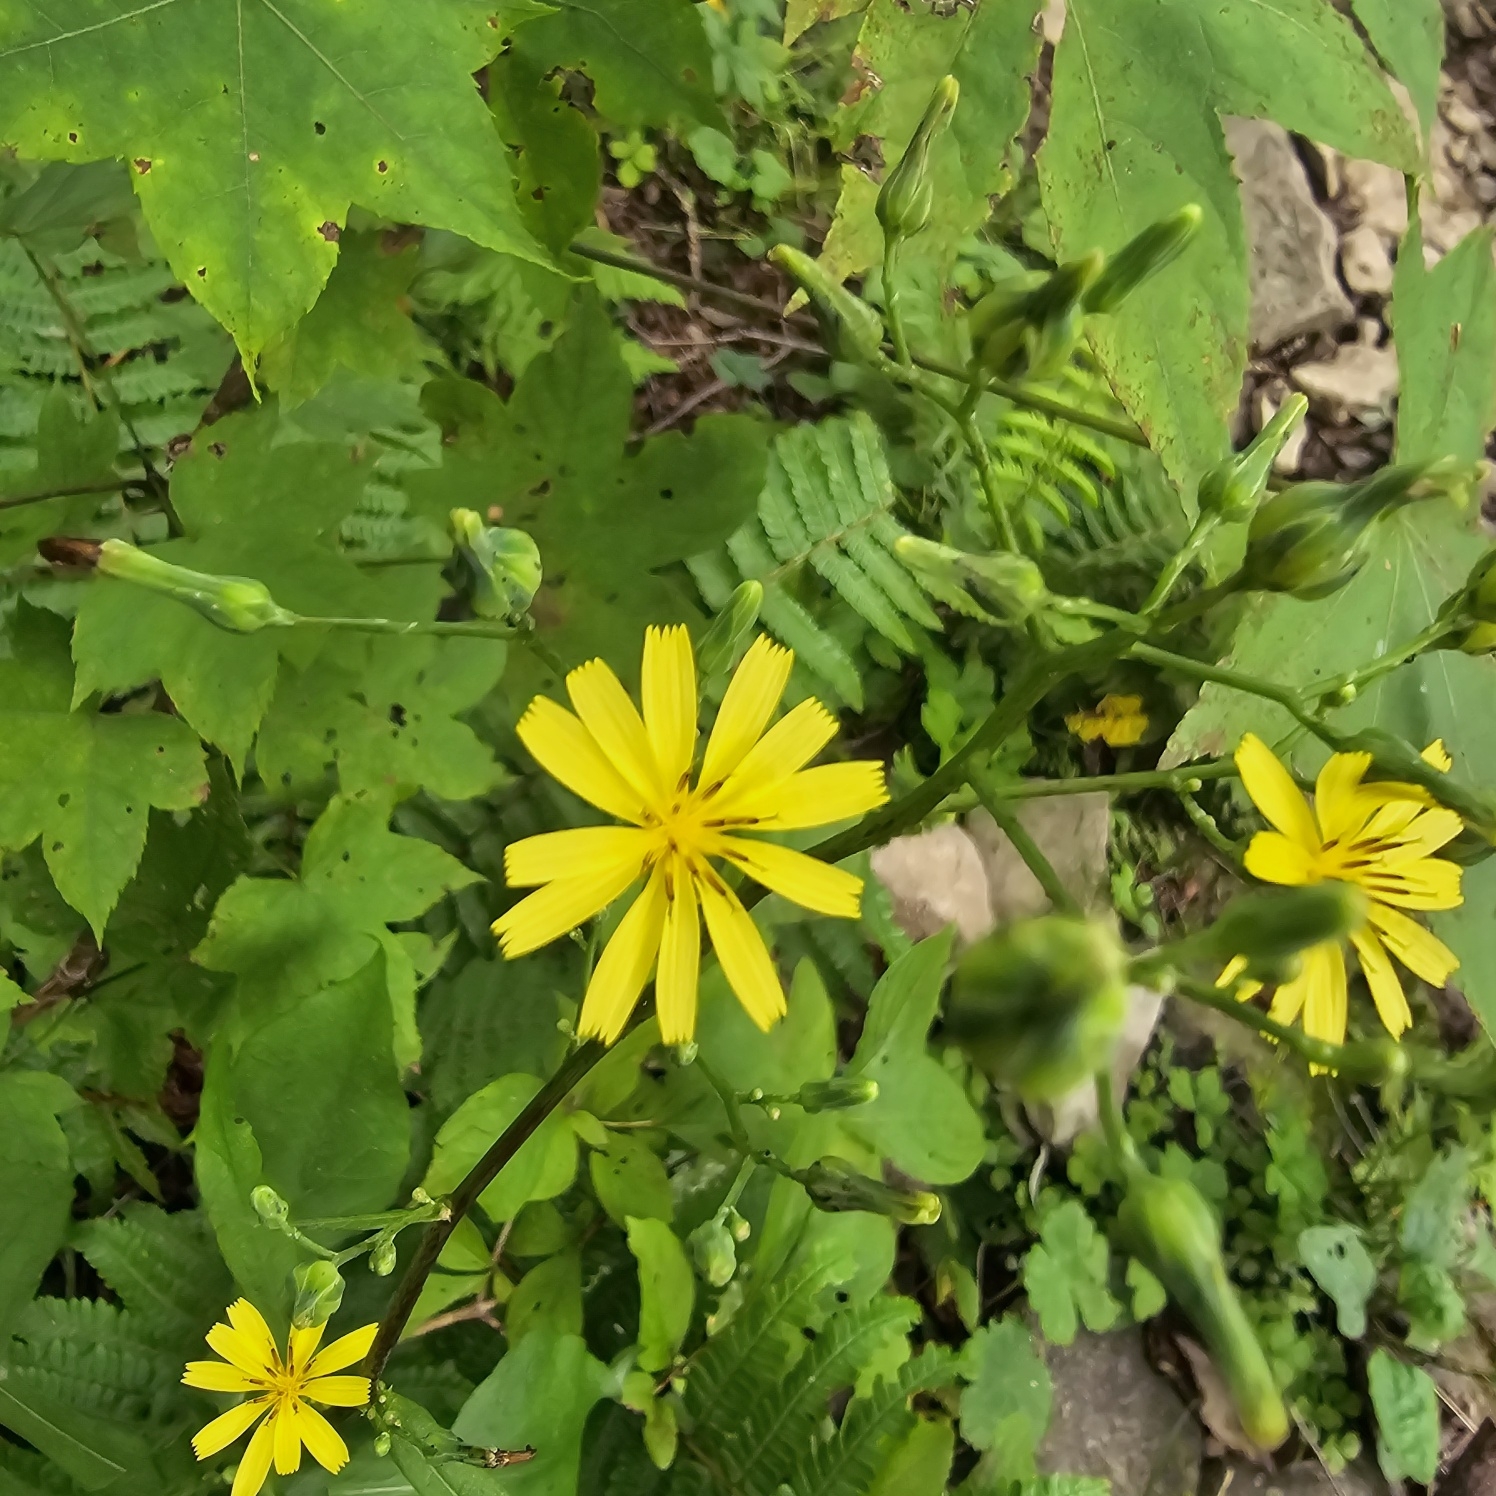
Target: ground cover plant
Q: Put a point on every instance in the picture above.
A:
(567, 566)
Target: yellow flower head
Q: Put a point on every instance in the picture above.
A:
(281, 1392)
(1117, 720)
(1382, 838)
(638, 769)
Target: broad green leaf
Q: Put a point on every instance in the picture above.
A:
(648, 59)
(539, 1394)
(1133, 137)
(278, 117)
(1406, 1403)
(1409, 37)
(248, 508)
(1065, 1275)
(801, 15)
(36, 1177)
(548, 1298)
(1006, 1402)
(667, 1291)
(318, 1085)
(463, 1269)
(545, 1164)
(1433, 1207)
(95, 1452)
(1339, 1262)
(552, 458)
(85, 781)
(902, 52)
(630, 1180)
(921, 1118)
(800, 1047)
(427, 1455)
(920, 1464)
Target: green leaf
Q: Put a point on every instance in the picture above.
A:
(427, 1456)
(36, 1176)
(1148, 1294)
(631, 1181)
(1339, 1262)
(1065, 1275)
(83, 781)
(921, 1464)
(1433, 1207)
(278, 118)
(667, 1290)
(94, 1451)
(921, 1118)
(540, 1395)
(648, 59)
(1134, 137)
(1006, 1403)
(552, 458)
(540, 1170)
(1409, 37)
(548, 1298)
(1406, 1403)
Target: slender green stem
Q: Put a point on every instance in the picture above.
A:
(475, 628)
(1355, 680)
(892, 308)
(1205, 824)
(724, 294)
(1286, 698)
(112, 485)
(976, 445)
(1200, 532)
(1315, 1051)
(1027, 848)
(572, 1069)
(1181, 781)
(1113, 1128)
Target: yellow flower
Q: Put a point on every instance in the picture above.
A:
(1117, 720)
(281, 1392)
(1379, 836)
(752, 778)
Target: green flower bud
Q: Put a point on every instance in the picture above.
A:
(319, 1291)
(382, 1443)
(837, 1094)
(1167, 1225)
(1233, 489)
(1033, 335)
(718, 647)
(713, 1251)
(1270, 927)
(382, 1255)
(835, 1185)
(269, 1206)
(1311, 539)
(853, 331)
(1142, 257)
(1373, 1062)
(907, 194)
(735, 1223)
(239, 604)
(1480, 589)
(498, 568)
(1011, 585)
(1040, 1005)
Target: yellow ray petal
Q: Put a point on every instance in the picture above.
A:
(1422, 952)
(680, 958)
(321, 1438)
(1424, 834)
(1242, 990)
(741, 951)
(1438, 755)
(749, 702)
(549, 912)
(1288, 997)
(788, 746)
(802, 880)
(1274, 858)
(668, 689)
(1394, 808)
(227, 1427)
(301, 1346)
(1431, 883)
(250, 1323)
(1325, 993)
(623, 968)
(217, 1376)
(338, 1392)
(344, 1351)
(1338, 804)
(1381, 978)
(287, 1440)
(559, 743)
(816, 797)
(1274, 793)
(617, 728)
(255, 1465)
(556, 855)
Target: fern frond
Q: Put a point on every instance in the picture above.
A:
(826, 509)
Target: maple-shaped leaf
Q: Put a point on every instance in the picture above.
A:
(251, 126)
(83, 781)
(553, 461)
(251, 509)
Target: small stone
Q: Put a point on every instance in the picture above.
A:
(1365, 263)
(1378, 196)
(1071, 831)
(936, 879)
(1308, 1478)
(1294, 287)
(1461, 116)
(1359, 383)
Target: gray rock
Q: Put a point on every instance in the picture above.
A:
(1294, 286)
(1359, 383)
(1365, 263)
(1116, 1418)
(1071, 831)
(1304, 1479)
(1378, 196)
(936, 879)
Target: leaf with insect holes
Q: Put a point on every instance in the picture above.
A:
(251, 128)
(83, 781)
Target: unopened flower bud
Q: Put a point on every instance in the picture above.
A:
(1373, 1062)
(908, 194)
(853, 331)
(239, 604)
(382, 1255)
(382, 1443)
(1142, 257)
(1040, 1005)
(718, 647)
(499, 568)
(319, 1291)
(837, 1094)
(269, 1206)
(1270, 927)
(1011, 586)
(735, 1223)
(1233, 490)
(1033, 335)
(714, 1252)
(835, 1185)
